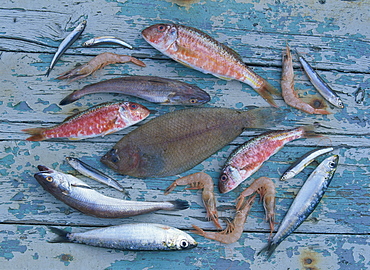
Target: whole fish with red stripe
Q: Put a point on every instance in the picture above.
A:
(198, 50)
(99, 120)
(249, 157)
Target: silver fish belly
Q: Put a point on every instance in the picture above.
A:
(106, 39)
(139, 236)
(305, 202)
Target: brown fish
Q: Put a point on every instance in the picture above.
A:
(177, 141)
(195, 49)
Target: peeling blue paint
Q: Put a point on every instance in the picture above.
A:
(8, 247)
(52, 108)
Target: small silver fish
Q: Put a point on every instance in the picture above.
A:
(78, 195)
(322, 87)
(66, 43)
(95, 174)
(303, 162)
(305, 202)
(139, 236)
(106, 39)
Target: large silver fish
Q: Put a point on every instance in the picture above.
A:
(78, 195)
(305, 202)
(139, 236)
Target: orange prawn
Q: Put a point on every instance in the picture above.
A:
(203, 181)
(265, 187)
(96, 63)
(234, 229)
(290, 96)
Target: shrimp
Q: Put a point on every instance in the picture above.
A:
(203, 181)
(234, 228)
(96, 63)
(287, 86)
(266, 189)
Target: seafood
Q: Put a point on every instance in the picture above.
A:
(322, 87)
(99, 120)
(106, 39)
(249, 157)
(151, 88)
(66, 43)
(233, 230)
(303, 162)
(93, 173)
(305, 202)
(196, 49)
(290, 96)
(203, 181)
(177, 141)
(137, 236)
(78, 195)
(266, 189)
(96, 63)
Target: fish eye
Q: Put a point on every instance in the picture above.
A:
(161, 28)
(193, 100)
(49, 179)
(113, 155)
(134, 106)
(332, 164)
(223, 177)
(184, 243)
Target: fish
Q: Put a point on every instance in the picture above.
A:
(98, 120)
(66, 43)
(106, 39)
(290, 96)
(177, 141)
(136, 236)
(151, 88)
(87, 170)
(321, 86)
(80, 196)
(303, 162)
(197, 50)
(250, 156)
(305, 202)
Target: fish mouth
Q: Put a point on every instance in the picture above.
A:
(43, 168)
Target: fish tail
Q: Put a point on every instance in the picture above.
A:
(180, 204)
(36, 134)
(266, 90)
(265, 117)
(62, 236)
(69, 99)
(269, 249)
(308, 131)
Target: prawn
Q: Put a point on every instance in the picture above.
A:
(96, 63)
(290, 96)
(234, 228)
(266, 189)
(203, 181)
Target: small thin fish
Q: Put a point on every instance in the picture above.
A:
(66, 43)
(305, 202)
(93, 173)
(322, 87)
(106, 39)
(99, 120)
(360, 95)
(303, 162)
(80, 196)
(137, 236)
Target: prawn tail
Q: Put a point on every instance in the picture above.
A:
(266, 90)
(37, 134)
(137, 62)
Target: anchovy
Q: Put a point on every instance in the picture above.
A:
(78, 195)
(95, 174)
(322, 87)
(305, 202)
(66, 43)
(138, 236)
(106, 39)
(303, 162)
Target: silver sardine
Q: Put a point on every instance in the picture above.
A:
(322, 87)
(66, 43)
(305, 202)
(78, 195)
(303, 162)
(106, 39)
(95, 174)
(139, 236)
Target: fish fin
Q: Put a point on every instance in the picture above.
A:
(81, 186)
(223, 77)
(36, 134)
(266, 90)
(185, 64)
(265, 117)
(62, 235)
(74, 139)
(269, 248)
(180, 204)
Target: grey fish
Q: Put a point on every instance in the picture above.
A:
(305, 202)
(138, 236)
(151, 88)
(303, 162)
(93, 173)
(66, 43)
(106, 39)
(78, 195)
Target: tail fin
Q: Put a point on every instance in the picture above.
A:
(269, 249)
(266, 90)
(62, 236)
(36, 134)
(69, 99)
(309, 131)
(264, 117)
(180, 204)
